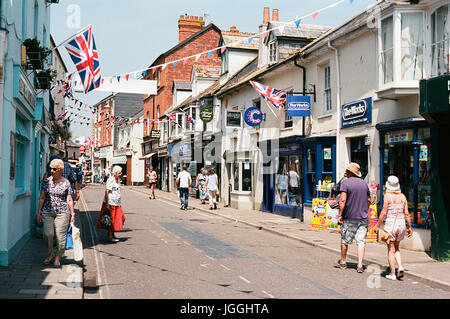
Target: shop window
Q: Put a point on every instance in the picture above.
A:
(439, 41)
(327, 164)
(310, 182)
(287, 181)
(236, 176)
(359, 154)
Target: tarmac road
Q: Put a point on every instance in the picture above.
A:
(167, 253)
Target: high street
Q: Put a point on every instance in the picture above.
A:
(165, 252)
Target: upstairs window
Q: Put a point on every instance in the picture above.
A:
(224, 64)
(439, 41)
(273, 56)
(327, 89)
(387, 50)
(412, 46)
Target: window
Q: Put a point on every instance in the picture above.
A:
(439, 41)
(287, 181)
(224, 64)
(273, 58)
(287, 119)
(234, 119)
(242, 175)
(22, 143)
(310, 185)
(411, 46)
(327, 89)
(387, 50)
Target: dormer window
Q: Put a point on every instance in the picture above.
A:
(273, 56)
(439, 41)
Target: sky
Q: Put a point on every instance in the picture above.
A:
(131, 34)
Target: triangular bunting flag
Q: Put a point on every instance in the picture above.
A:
(297, 22)
(210, 53)
(197, 57)
(314, 15)
(222, 50)
(127, 77)
(265, 34)
(250, 40)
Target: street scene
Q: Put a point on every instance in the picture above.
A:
(241, 153)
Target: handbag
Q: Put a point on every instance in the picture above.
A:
(106, 220)
(69, 238)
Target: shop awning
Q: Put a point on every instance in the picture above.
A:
(147, 156)
(119, 160)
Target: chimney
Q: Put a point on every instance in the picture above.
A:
(266, 17)
(275, 15)
(189, 25)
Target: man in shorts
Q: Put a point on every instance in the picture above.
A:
(353, 214)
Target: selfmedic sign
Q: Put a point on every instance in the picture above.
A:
(298, 106)
(356, 113)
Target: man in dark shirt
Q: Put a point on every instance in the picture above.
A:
(353, 214)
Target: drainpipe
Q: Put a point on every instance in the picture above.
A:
(338, 106)
(304, 91)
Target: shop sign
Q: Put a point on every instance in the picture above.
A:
(373, 219)
(206, 114)
(155, 134)
(298, 105)
(26, 91)
(319, 214)
(234, 119)
(399, 136)
(253, 116)
(356, 113)
(423, 155)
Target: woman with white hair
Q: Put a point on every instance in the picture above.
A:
(112, 205)
(395, 210)
(55, 210)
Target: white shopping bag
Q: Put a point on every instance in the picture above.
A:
(77, 244)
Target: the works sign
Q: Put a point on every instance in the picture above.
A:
(356, 113)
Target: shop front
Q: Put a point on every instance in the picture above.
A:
(405, 151)
(163, 169)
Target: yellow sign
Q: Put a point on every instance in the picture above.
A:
(373, 219)
(319, 214)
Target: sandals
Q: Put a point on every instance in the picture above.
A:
(48, 260)
(341, 265)
(57, 264)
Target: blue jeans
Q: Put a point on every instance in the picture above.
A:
(184, 192)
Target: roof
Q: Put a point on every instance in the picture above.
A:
(190, 39)
(182, 85)
(307, 31)
(205, 71)
(236, 39)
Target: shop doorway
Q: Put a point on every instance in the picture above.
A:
(359, 153)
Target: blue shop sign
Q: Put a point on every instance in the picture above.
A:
(253, 116)
(356, 113)
(298, 106)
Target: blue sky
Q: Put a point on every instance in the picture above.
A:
(131, 34)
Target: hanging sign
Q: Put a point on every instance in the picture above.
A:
(253, 116)
(356, 113)
(206, 109)
(298, 105)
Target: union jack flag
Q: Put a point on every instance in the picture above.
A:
(172, 118)
(84, 55)
(189, 118)
(276, 97)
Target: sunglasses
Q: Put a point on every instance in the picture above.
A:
(53, 169)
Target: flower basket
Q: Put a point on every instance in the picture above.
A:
(35, 54)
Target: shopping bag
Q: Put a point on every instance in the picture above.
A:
(69, 238)
(77, 244)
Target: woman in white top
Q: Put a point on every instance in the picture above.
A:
(395, 210)
(112, 203)
(211, 185)
(201, 180)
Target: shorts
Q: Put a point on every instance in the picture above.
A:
(356, 229)
(398, 232)
(152, 185)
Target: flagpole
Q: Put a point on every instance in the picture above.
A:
(73, 35)
(271, 109)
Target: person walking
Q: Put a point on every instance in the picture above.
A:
(200, 185)
(395, 211)
(152, 177)
(184, 183)
(69, 174)
(112, 204)
(212, 185)
(55, 210)
(354, 204)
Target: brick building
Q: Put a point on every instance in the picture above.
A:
(194, 38)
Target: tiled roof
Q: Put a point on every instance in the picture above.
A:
(207, 71)
(307, 31)
(236, 39)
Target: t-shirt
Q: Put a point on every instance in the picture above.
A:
(185, 179)
(293, 179)
(356, 206)
(153, 176)
(212, 182)
(114, 192)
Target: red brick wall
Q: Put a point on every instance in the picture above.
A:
(181, 72)
(101, 121)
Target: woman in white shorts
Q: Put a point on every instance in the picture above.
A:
(395, 210)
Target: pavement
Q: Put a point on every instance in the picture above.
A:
(418, 265)
(27, 278)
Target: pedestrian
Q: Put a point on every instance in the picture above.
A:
(200, 183)
(395, 211)
(212, 185)
(112, 204)
(354, 204)
(69, 174)
(184, 183)
(55, 210)
(153, 177)
(80, 177)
